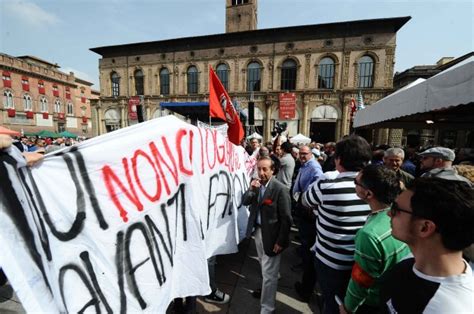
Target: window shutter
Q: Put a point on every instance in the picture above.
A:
(7, 81)
(25, 84)
(55, 91)
(41, 89)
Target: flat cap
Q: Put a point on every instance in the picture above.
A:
(439, 152)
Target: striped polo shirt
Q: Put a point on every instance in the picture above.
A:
(340, 214)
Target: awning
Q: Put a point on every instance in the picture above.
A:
(446, 100)
(192, 110)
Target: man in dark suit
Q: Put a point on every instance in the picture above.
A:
(270, 216)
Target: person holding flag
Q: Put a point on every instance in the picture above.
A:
(220, 106)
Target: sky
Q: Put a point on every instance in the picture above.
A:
(63, 31)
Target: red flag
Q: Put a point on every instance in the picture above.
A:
(220, 106)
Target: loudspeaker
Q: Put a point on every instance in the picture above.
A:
(251, 113)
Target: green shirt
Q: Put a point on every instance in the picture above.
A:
(376, 252)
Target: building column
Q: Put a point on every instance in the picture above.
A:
(99, 119)
(343, 125)
(305, 124)
(123, 115)
(381, 136)
(395, 137)
(268, 120)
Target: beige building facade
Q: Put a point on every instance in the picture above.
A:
(37, 96)
(324, 65)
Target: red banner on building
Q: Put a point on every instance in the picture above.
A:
(133, 103)
(287, 106)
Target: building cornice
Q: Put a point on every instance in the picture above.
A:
(257, 37)
(37, 75)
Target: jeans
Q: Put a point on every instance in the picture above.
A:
(332, 282)
(307, 232)
(211, 266)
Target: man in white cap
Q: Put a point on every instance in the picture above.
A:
(438, 162)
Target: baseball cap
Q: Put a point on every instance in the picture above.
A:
(316, 152)
(440, 152)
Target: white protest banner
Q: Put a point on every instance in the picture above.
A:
(123, 222)
(221, 128)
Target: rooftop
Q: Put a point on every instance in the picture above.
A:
(262, 36)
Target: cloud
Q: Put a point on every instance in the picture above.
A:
(82, 75)
(30, 13)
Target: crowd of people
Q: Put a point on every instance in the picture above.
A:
(382, 230)
(42, 145)
(379, 232)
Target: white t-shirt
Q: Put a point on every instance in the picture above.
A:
(407, 290)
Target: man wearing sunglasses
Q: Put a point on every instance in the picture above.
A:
(435, 217)
(438, 162)
(376, 250)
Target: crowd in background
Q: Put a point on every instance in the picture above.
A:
(348, 203)
(382, 229)
(42, 145)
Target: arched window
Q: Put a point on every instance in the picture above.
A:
(164, 81)
(57, 106)
(115, 79)
(44, 104)
(27, 103)
(288, 75)
(326, 73)
(366, 72)
(253, 77)
(70, 109)
(193, 81)
(222, 72)
(139, 82)
(8, 100)
(237, 2)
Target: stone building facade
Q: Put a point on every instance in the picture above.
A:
(37, 96)
(324, 65)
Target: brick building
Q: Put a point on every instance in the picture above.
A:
(38, 96)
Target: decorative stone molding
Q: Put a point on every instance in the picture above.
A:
(307, 69)
(346, 64)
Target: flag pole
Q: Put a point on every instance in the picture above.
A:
(209, 82)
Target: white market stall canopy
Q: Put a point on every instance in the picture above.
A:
(447, 99)
(255, 135)
(300, 139)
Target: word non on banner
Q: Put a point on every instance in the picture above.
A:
(123, 222)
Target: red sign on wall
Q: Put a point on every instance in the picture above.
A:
(133, 103)
(287, 106)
